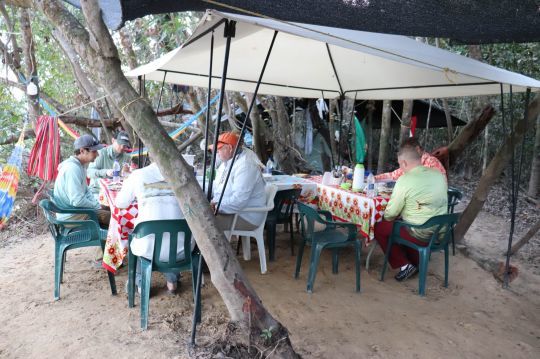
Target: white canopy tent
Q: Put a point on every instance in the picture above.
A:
(314, 61)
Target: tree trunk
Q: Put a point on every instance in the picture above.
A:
(405, 130)
(526, 238)
(385, 136)
(478, 103)
(97, 48)
(494, 170)
(534, 180)
(448, 116)
(333, 109)
(371, 109)
(469, 133)
(256, 124)
(30, 63)
(84, 82)
(285, 154)
(127, 46)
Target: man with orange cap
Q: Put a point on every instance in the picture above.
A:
(244, 189)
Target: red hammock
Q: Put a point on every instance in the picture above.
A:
(45, 155)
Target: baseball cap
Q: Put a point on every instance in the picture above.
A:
(123, 139)
(87, 141)
(226, 138)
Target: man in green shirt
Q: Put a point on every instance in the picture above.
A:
(70, 187)
(102, 166)
(419, 194)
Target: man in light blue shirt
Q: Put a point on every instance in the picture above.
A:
(71, 187)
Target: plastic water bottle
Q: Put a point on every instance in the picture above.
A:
(116, 171)
(370, 191)
(358, 178)
(269, 166)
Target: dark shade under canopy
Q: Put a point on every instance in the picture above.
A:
(420, 110)
(466, 21)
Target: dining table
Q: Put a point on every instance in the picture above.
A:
(352, 206)
(121, 225)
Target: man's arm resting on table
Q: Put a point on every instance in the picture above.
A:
(96, 170)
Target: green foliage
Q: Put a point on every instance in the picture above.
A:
(266, 334)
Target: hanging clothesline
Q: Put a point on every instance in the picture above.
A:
(174, 134)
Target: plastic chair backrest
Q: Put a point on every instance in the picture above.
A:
(158, 228)
(284, 203)
(311, 216)
(454, 197)
(441, 224)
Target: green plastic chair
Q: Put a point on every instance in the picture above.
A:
(442, 224)
(69, 235)
(454, 197)
(331, 237)
(281, 214)
(189, 263)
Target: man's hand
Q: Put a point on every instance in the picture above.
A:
(109, 173)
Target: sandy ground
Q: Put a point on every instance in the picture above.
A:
(473, 318)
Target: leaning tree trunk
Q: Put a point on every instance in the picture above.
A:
(405, 129)
(385, 136)
(494, 170)
(97, 48)
(534, 180)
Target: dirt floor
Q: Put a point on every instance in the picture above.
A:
(473, 318)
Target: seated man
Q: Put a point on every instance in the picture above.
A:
(103, 166)
(418, 195)
(426, 160)
(244, 189)
(156, 201)
(71, 189)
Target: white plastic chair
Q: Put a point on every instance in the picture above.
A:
(257, 233)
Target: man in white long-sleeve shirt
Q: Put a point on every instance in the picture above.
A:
(156, 201)
(244, 189)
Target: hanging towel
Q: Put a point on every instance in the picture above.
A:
(360, 141)
(321, 106)
(308, 146)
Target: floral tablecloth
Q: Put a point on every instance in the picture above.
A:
(122, 224)
(354, 207)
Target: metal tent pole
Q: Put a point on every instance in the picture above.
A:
(206, 130)
(253, 101)
(229, 33)
(514, 181)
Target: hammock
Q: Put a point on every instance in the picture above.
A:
(45, 154)
(9, 180)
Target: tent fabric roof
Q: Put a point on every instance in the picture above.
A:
(311, 61)
(468, 21)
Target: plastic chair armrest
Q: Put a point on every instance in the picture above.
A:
(76, 226)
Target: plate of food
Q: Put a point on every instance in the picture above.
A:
(301, 175)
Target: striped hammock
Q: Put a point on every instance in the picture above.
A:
(9, 180)
(45, 154)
